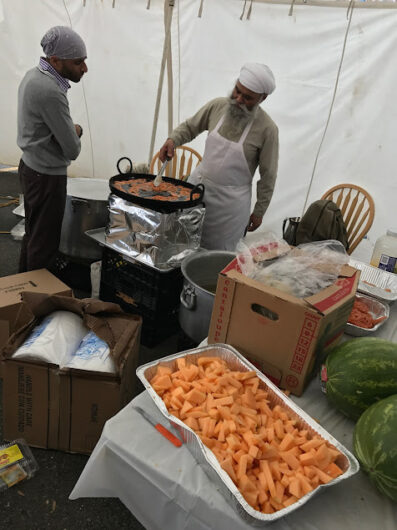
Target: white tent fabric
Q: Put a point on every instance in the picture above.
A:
(116, 100)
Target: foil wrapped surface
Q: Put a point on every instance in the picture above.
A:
(161, 240)
(376, 282)
(207, 459)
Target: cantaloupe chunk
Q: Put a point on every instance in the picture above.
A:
(227, 465)
(333, 470)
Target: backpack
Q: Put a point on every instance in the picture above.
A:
(322, 220)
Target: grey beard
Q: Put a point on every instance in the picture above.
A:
(237, 117)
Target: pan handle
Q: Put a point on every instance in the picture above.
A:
(198, 188)
(118, 164)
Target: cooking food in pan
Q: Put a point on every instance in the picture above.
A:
(166, 191)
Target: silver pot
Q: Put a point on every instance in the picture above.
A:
(200, 275)
(86, 208)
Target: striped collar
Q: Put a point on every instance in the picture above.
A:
(45, 66)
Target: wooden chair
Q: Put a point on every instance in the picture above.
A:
(180, 167)
(358, 210)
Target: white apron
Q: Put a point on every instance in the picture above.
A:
(228, 181)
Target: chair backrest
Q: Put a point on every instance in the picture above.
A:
(358, 210)
(180, 167)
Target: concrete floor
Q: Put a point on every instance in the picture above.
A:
(42, 502)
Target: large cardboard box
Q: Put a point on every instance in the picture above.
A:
(284, 336)
(14, 314)
(66, 409)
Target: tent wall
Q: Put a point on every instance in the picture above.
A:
(115, 102)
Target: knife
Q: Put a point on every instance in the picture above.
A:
(162, 430)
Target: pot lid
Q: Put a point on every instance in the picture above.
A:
(88, 188)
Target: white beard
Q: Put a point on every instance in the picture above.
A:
(237, 116)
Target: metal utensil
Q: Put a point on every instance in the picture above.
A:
(162, 430)
(158, 180)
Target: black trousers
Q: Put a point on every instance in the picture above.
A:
(44, 202)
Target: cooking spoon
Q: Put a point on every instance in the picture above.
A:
(158, 180)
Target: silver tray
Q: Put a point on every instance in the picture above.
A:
(377, 310)
(206, 457)
(374, 281)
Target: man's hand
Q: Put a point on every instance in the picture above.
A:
(79, 130)
(167, 151)
(254, 222)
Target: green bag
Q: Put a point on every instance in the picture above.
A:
(322, 220)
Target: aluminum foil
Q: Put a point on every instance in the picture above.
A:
(161, 240)
(376, 282)
(377, 310)
(347, 462)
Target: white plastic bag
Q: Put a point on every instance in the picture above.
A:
(54, 340)
(92, 354)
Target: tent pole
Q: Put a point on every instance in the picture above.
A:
(168, 11)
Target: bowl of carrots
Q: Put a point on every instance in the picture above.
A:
(367, 315)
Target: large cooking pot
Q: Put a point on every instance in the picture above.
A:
(200, 275)
(86, 208)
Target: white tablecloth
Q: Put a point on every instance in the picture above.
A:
(165, 488)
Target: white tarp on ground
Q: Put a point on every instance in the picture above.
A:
(116, 100)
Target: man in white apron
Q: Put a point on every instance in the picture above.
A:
(242, 137)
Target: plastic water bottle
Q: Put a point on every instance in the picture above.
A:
(384, 255)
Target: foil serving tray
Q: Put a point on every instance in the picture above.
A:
(376, 282)
(377, 310)
(207, 459)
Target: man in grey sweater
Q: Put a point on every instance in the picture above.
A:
(49, 141)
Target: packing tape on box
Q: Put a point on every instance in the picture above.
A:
(54, 340)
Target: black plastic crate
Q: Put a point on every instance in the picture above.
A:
(154, 328)
(150, 291)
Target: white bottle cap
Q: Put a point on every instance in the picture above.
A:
(392, 232)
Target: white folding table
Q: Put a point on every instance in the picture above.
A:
(165, 488)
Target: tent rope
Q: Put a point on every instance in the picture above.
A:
(248, 11)
(349, 16)
(242, 14)
(85, 103)
(179, 64)
(169, 5)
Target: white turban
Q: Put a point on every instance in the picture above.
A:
(63, 42)
(258, 78)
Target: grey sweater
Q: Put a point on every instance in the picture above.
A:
(46, 133)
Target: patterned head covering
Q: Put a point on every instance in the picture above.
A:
(63, 42)
(258, 78)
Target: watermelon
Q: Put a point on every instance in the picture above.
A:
(360, 372)
(375, 444)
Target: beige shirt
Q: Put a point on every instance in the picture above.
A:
(260, 146)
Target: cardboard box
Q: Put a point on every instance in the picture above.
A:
(66, 409)
(285, 337)
(14, 314)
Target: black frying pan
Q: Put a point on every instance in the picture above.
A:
(153, 204)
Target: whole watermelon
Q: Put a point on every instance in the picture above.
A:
(375, 444)
(360, 372)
